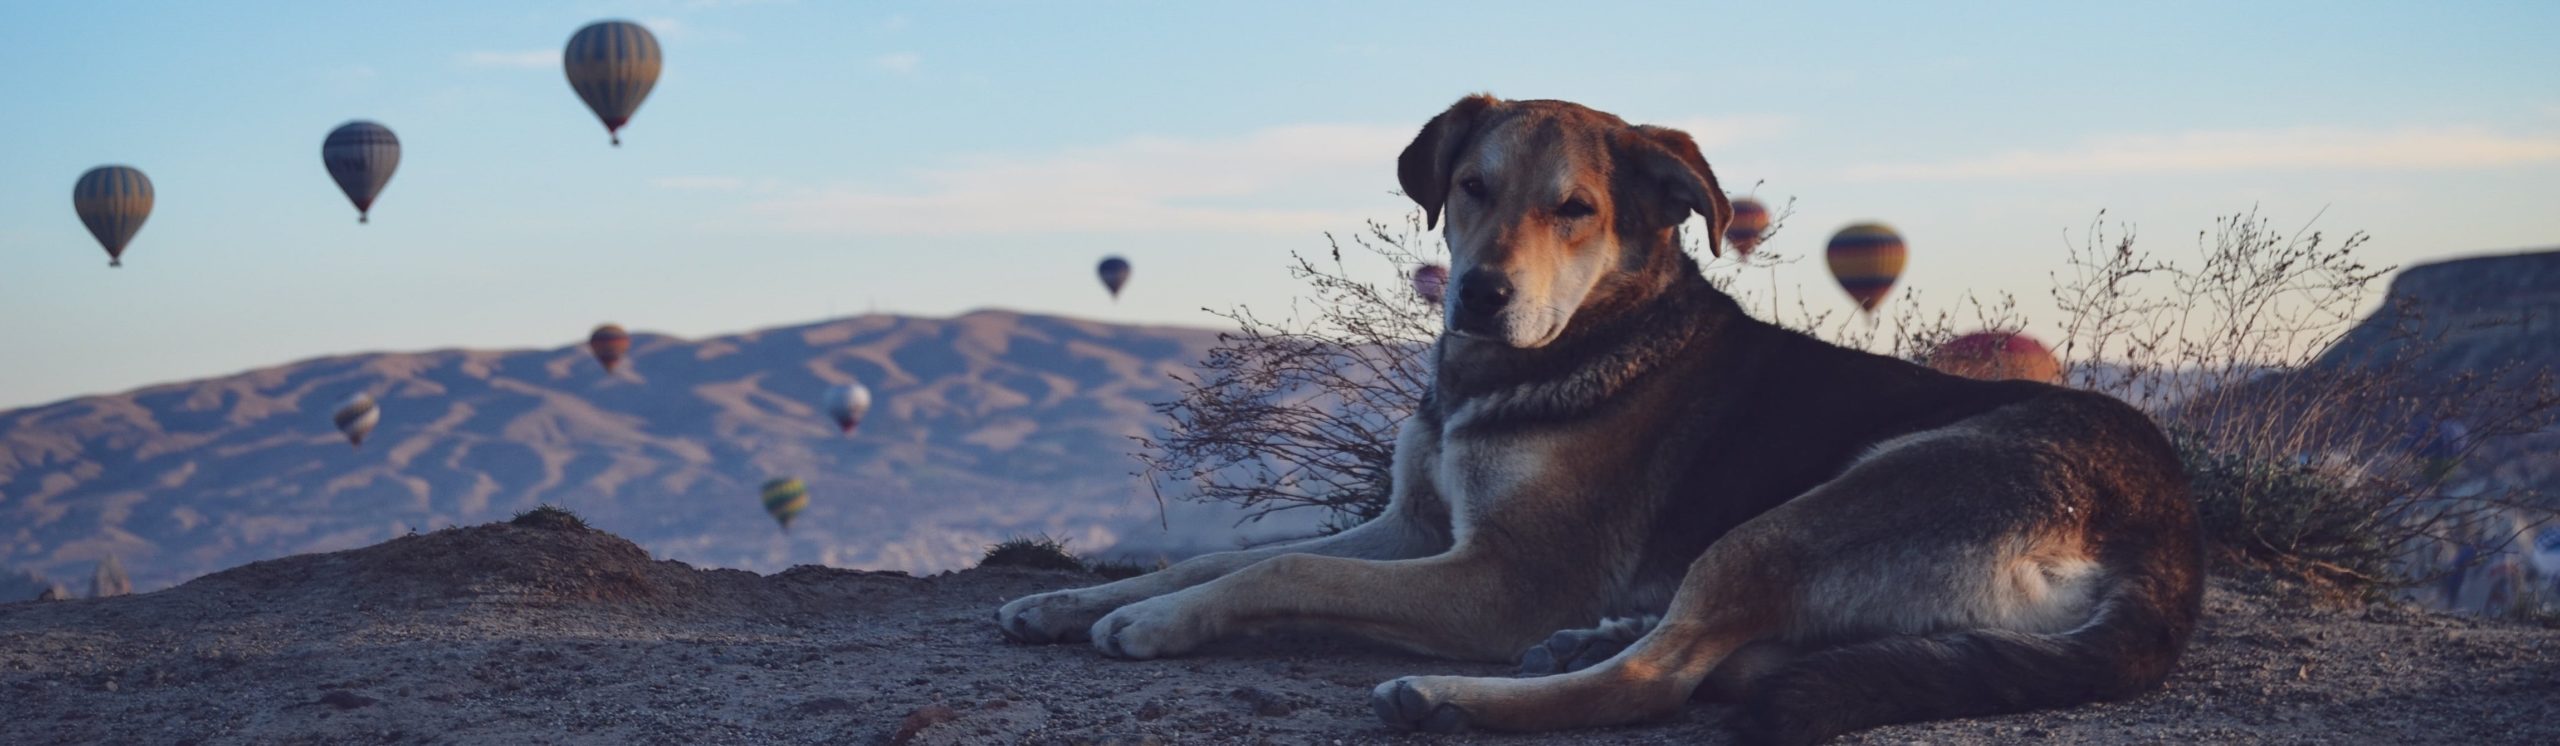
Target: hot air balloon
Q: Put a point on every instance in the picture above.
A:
(1429, 280)
(361, 156)
(357, 417)
(1750, 220)
(113, 201)
(1115, 273)
(613, 64)
(1866, 258)
(846, 404)
(785, 497)
(1997, 356)
(609, 343)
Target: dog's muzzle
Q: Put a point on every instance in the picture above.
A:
(1482, 296)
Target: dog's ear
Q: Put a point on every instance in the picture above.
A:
(1423, 169)
(1677, 171)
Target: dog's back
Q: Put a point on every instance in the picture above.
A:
(2088, 482)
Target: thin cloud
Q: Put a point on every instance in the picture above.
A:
(525, 60)
(1145, 184)
(902, 63)
(1295, 179)
(1716, 132)
(667, 28)
(353, 74)
(2310, 148)
(700, 183)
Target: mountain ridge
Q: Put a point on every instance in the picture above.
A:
(986, 424)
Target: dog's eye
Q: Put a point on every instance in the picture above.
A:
(1474, 187)
(1575, 208)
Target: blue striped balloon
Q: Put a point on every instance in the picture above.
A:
(113, 201)
(361, 156)
(613, 64)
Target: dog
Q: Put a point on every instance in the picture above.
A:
(1656, 496)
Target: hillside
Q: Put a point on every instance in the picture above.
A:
(2488, 315)
(550, 633)
(2476, 314)
(984, 426)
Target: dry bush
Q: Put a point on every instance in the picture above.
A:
(2306, 468)
(1302, 412)
(1043, 552)
(2332, 471)
(548, 516)
(1036, 552)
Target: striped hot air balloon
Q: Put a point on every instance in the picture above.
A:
(113, 201)
(609, 343)
(1429, 280)
(361, 156)
(1750, 220)
(1866, 258)
(613, 64)
(784, 498)
(1997, 356)
(846, 404)
(1115, 274)
(356, 417)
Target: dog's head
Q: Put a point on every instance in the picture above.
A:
(1552, 207)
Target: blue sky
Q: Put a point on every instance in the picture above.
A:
(803, 159)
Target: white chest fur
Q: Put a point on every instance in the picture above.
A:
(1479, 473)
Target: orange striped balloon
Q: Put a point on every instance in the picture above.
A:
(1866, 258)
(113, 201)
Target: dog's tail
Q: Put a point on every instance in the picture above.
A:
(2126, 648)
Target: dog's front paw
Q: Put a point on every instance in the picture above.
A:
(1155, 628)
(1057, 616)
(1418, 703)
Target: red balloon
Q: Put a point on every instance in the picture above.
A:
(1429, 280)
(609, 343)
(1750, 222)
(1997, 356)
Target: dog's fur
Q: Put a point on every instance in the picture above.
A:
(1701, 501)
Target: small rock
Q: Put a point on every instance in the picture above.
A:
(825, 704)
(1264, 702)
(924, 717)
(1151, 710)
(346, 700)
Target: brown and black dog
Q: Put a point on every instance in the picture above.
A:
(1698, 500)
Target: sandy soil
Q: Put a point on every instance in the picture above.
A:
(508, 634)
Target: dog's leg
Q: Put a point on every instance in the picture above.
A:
(1061, 616)
(1572, 650)
(1731, 596)
(1415, 524)
(1464, 605)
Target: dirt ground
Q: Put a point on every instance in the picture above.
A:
(509, 634)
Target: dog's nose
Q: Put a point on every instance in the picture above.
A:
(1482, 294)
